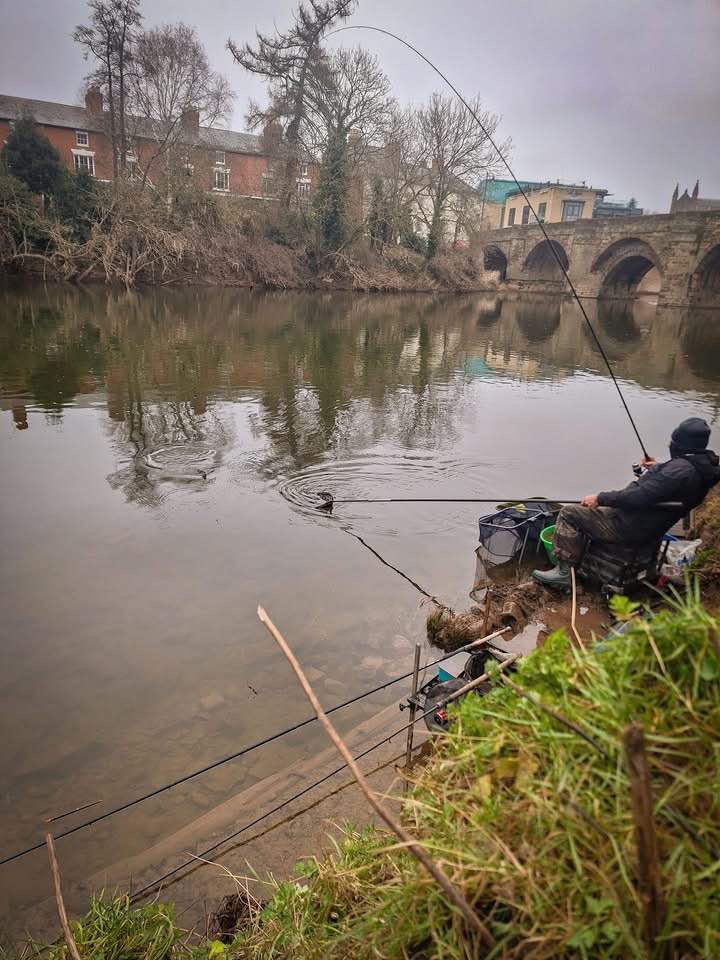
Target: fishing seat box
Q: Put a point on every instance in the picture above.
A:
(616, 567)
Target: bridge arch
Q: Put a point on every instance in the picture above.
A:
(538, 320)
(705, 280)
(541, 264)
(623, 265)
(495, 260)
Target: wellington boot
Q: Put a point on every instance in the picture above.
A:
(558, 577)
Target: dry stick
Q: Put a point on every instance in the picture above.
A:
(715, 638)
(412, 845)
(72, 946)
(574, 610)
(649, 872)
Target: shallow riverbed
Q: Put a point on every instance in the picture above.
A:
(160, 454)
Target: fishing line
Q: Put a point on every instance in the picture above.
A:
(240, 753)
(550, 243)
(236, 833)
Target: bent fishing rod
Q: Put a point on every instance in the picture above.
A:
(329, 501)
(506, 164)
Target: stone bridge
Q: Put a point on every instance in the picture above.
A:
(608, 258)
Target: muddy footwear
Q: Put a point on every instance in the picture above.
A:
(558, 577)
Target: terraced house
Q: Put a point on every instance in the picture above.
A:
(228, 162)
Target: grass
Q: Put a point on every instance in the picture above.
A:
(113, 930)
(706, 565)
(532, 822)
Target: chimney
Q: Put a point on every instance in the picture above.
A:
(696, 190)
(190, 122)
(94, 100)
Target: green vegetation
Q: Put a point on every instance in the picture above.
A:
(706, 565)
(527, 817)
(534, 824)
(29, 156)
(332, 194)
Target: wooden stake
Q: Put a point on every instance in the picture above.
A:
(413, 708)
(649, 873)
(574, 610)
(72, 946)
(412, 845)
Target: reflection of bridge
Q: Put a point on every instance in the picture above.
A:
(609, 258)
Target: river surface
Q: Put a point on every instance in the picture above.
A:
(160, 454)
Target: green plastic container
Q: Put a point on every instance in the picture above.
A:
(547, 539)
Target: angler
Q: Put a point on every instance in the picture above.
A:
(643, 511)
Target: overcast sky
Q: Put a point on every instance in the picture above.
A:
(624, 94)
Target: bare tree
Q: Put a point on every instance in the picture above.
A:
(398, 166)
(348, 110)
(107, 41)
(285, 60)
(348, 92)
(456, 154)
(171, 77)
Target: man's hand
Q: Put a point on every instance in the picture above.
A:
(648, 462)
(590, 501)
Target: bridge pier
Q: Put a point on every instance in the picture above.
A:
(608, 258)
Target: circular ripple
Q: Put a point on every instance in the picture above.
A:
(182, 460)
(378, 476)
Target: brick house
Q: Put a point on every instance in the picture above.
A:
(233, 163)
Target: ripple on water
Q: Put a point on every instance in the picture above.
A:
(381, 475)
(191, 460)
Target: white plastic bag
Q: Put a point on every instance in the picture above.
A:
(680, 555)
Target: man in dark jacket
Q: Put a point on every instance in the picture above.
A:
(636, 515)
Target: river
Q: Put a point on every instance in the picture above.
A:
(160, 453)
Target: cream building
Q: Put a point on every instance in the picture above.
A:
(553, 203)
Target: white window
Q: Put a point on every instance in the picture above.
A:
(82, 138)
(132, 168)
(220, 158)
(303, 170)
(222, 180)
(572, 209)
(303, 188)
(85, 163)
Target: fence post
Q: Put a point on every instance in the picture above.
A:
(411, 728)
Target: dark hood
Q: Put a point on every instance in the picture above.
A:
(690, 436)
(707, 464)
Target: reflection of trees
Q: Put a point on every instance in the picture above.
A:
(44, 356)
(330, 372)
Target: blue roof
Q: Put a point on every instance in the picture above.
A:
(496, 191)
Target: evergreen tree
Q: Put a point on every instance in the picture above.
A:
(76, 202)
(29, 156)
(332, 193)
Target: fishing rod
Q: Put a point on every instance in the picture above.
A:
(329, 501)
(506, 164)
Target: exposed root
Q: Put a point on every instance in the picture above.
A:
(508, 605)
(234, 912)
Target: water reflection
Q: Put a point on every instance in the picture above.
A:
(322, 366)
(331, 374)
(224, 412)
